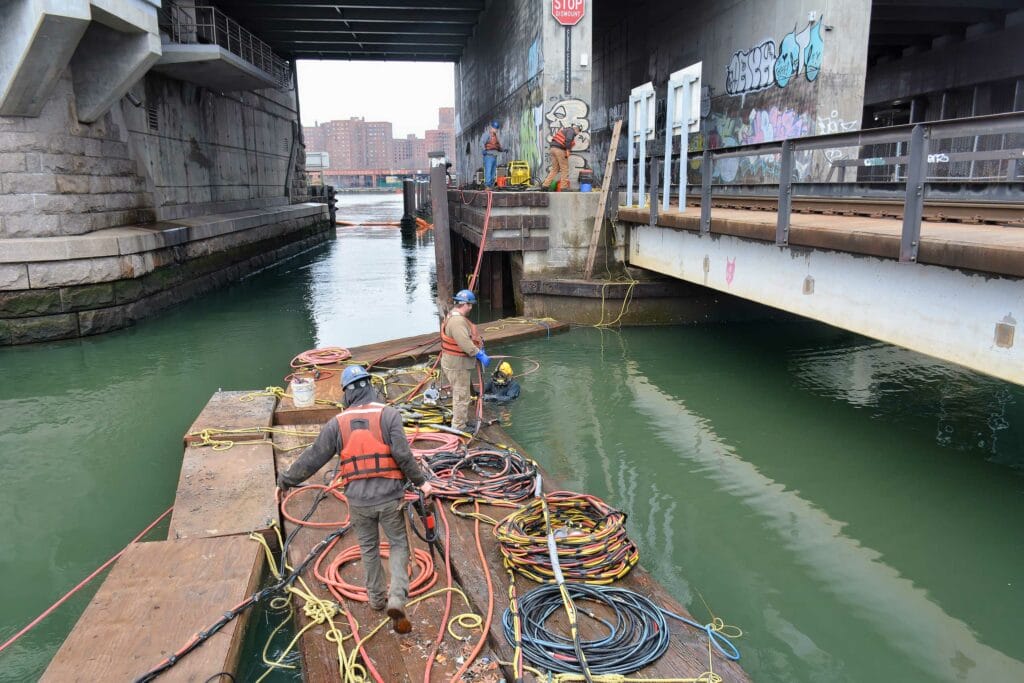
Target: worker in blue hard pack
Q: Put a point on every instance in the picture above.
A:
(491, 145)
(502, 387)
(461, 348)
(375, 462)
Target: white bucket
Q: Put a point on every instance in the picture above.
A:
(303, 391)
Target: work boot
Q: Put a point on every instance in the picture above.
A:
(378, 605)
(399, 622)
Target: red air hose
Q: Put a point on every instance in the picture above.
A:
(10, 641)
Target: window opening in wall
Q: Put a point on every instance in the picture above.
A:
(152, 116)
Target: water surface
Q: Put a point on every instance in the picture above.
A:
(854, 507)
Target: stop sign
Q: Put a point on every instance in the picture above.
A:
(567, 12)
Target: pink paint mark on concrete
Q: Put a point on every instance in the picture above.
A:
(730, 270)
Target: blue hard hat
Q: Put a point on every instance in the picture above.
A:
(353, 373)
(465, 296)
(495, 123)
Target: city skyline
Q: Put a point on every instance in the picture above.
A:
(357, 144)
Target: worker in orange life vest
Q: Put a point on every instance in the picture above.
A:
(491, 145)
(375, 462)
(561, 145)
(461, 348)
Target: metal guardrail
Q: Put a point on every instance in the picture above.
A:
(207, 25)
(911, 163)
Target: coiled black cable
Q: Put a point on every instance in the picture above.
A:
(635, 632)
(484, 473)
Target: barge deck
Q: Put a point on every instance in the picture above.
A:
(162, 593)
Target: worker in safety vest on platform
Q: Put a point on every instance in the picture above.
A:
(491, 145)
(561, 145)
(461, 348)
(375, 462)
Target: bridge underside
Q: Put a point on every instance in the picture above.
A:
(964, 317)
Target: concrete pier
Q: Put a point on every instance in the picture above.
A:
(124, 191)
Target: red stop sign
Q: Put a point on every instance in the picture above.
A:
(567, 12)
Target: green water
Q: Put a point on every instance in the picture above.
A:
(855, 508)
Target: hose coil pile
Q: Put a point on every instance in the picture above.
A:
(483, 473)
(589, 536)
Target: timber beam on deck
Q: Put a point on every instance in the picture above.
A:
(399, 352)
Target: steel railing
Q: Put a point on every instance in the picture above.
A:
(207, 25)
(914, 143)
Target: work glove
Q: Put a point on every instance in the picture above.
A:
(284, 482)
(484, 359)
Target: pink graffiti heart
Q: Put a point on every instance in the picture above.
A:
(730, 270)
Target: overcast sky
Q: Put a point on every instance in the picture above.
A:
(406, 93)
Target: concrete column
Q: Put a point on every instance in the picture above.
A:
(119, 47)
(513, 71)
(37, 38)
(568, 56)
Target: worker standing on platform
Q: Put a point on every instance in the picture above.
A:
(375, 463)
(461, 348)
(561, 145)
(491, 146)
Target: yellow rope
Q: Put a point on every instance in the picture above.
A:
(520, 321)
(207, 437)
(625, 302)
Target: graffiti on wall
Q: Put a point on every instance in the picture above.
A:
(751, 70)
(568, 112)
(759, 125)
(529, 138)
(768, 63)
(834, 124)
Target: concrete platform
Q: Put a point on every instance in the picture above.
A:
(155, 598)
(981, 248)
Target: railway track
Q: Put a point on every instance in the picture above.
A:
(991, 213)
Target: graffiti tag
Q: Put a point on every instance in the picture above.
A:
(833, 124)
(767, 63)
(750, 70)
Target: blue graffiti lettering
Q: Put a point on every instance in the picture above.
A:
(813, 53)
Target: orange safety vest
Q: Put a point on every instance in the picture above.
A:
(493, 143)
(364, 455)
(558, 140)
(450, 346)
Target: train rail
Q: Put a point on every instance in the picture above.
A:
(991, 213)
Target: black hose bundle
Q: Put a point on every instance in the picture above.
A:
(635, 633)
(483, 473)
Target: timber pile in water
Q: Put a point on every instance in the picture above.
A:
(187, 591)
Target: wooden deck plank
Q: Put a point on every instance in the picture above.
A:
(225, 492)
(226, 410)
(399, 352)
(397, 658)
(156, 596)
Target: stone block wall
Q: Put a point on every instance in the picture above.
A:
(60, 299)
(184, 146)
(62, 177)
(197, 146)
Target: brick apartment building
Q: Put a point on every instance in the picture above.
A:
(357, 144)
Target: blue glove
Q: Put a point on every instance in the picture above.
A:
(483, 358)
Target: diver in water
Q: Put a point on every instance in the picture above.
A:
(502, 386)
